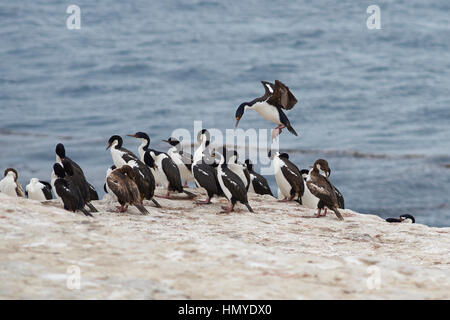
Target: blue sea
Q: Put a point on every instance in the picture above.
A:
(374, 102)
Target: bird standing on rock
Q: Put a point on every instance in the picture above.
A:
(10, 185)
(143, 176)
(320, 187)
(122, 184)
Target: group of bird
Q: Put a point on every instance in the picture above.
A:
(133, 178)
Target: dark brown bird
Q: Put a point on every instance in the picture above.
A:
(122, 183)
(319, 186)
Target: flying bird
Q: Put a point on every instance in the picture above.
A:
(270, 106)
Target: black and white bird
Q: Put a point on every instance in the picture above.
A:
(109, 195)
(67, 191)
(276, 97)
(163, 166)
(288, 177)
(182, 159)
(204, 168)
(404, 218)
(143, 147)
(239, 169)
(121, 183)
(311, 201)
(10, 185)
(87, 190)
(38, 190)
(143, 176)
(232, 186)
(258, 183)
(320, 186)
(308, 199)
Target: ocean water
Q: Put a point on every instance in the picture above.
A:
(374, 103)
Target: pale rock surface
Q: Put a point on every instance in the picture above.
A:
(188, 251)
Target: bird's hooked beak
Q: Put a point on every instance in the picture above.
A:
(109, 146)
(165, 141)
(131, 135)
(240, 113)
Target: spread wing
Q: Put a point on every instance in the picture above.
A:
(282, 97)
(269, 88)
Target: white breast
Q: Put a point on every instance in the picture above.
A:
(117, 157)
(239, 170)
(35, 191)
(8, 186)
(220, 174)
(267, 111)
(283, 185)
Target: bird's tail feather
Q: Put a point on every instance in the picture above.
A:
(86, 213)
(156, 203)
(190, 194)
(91, 207)
(291, 130)
(141, 208)
(249, 208)
(338, 214)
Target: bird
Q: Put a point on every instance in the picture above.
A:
(143, 147)
(121, 183)
(232, 186)
(276, 97)
(10, 185)
(162, 165)
(143, 176)
(311, 201)
(308, 199)
(182, 159)
(258, 183)
(78, 178)
(288, 177)
(405, 218)
(239, 169)
(67, 191)
(320, 186)
(38, 190)
(86, 189)
(111, 197)
(168, 171)
(204, 168)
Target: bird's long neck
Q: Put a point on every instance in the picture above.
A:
(143, 147)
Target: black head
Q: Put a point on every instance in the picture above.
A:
(204, 134)
(59, 170)
(284, 156)
(304, 171)
(249, 165)
(60, 150)
(172, 141)
(240, 112)
(115, 138)
(140, 135)
(67, 167)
